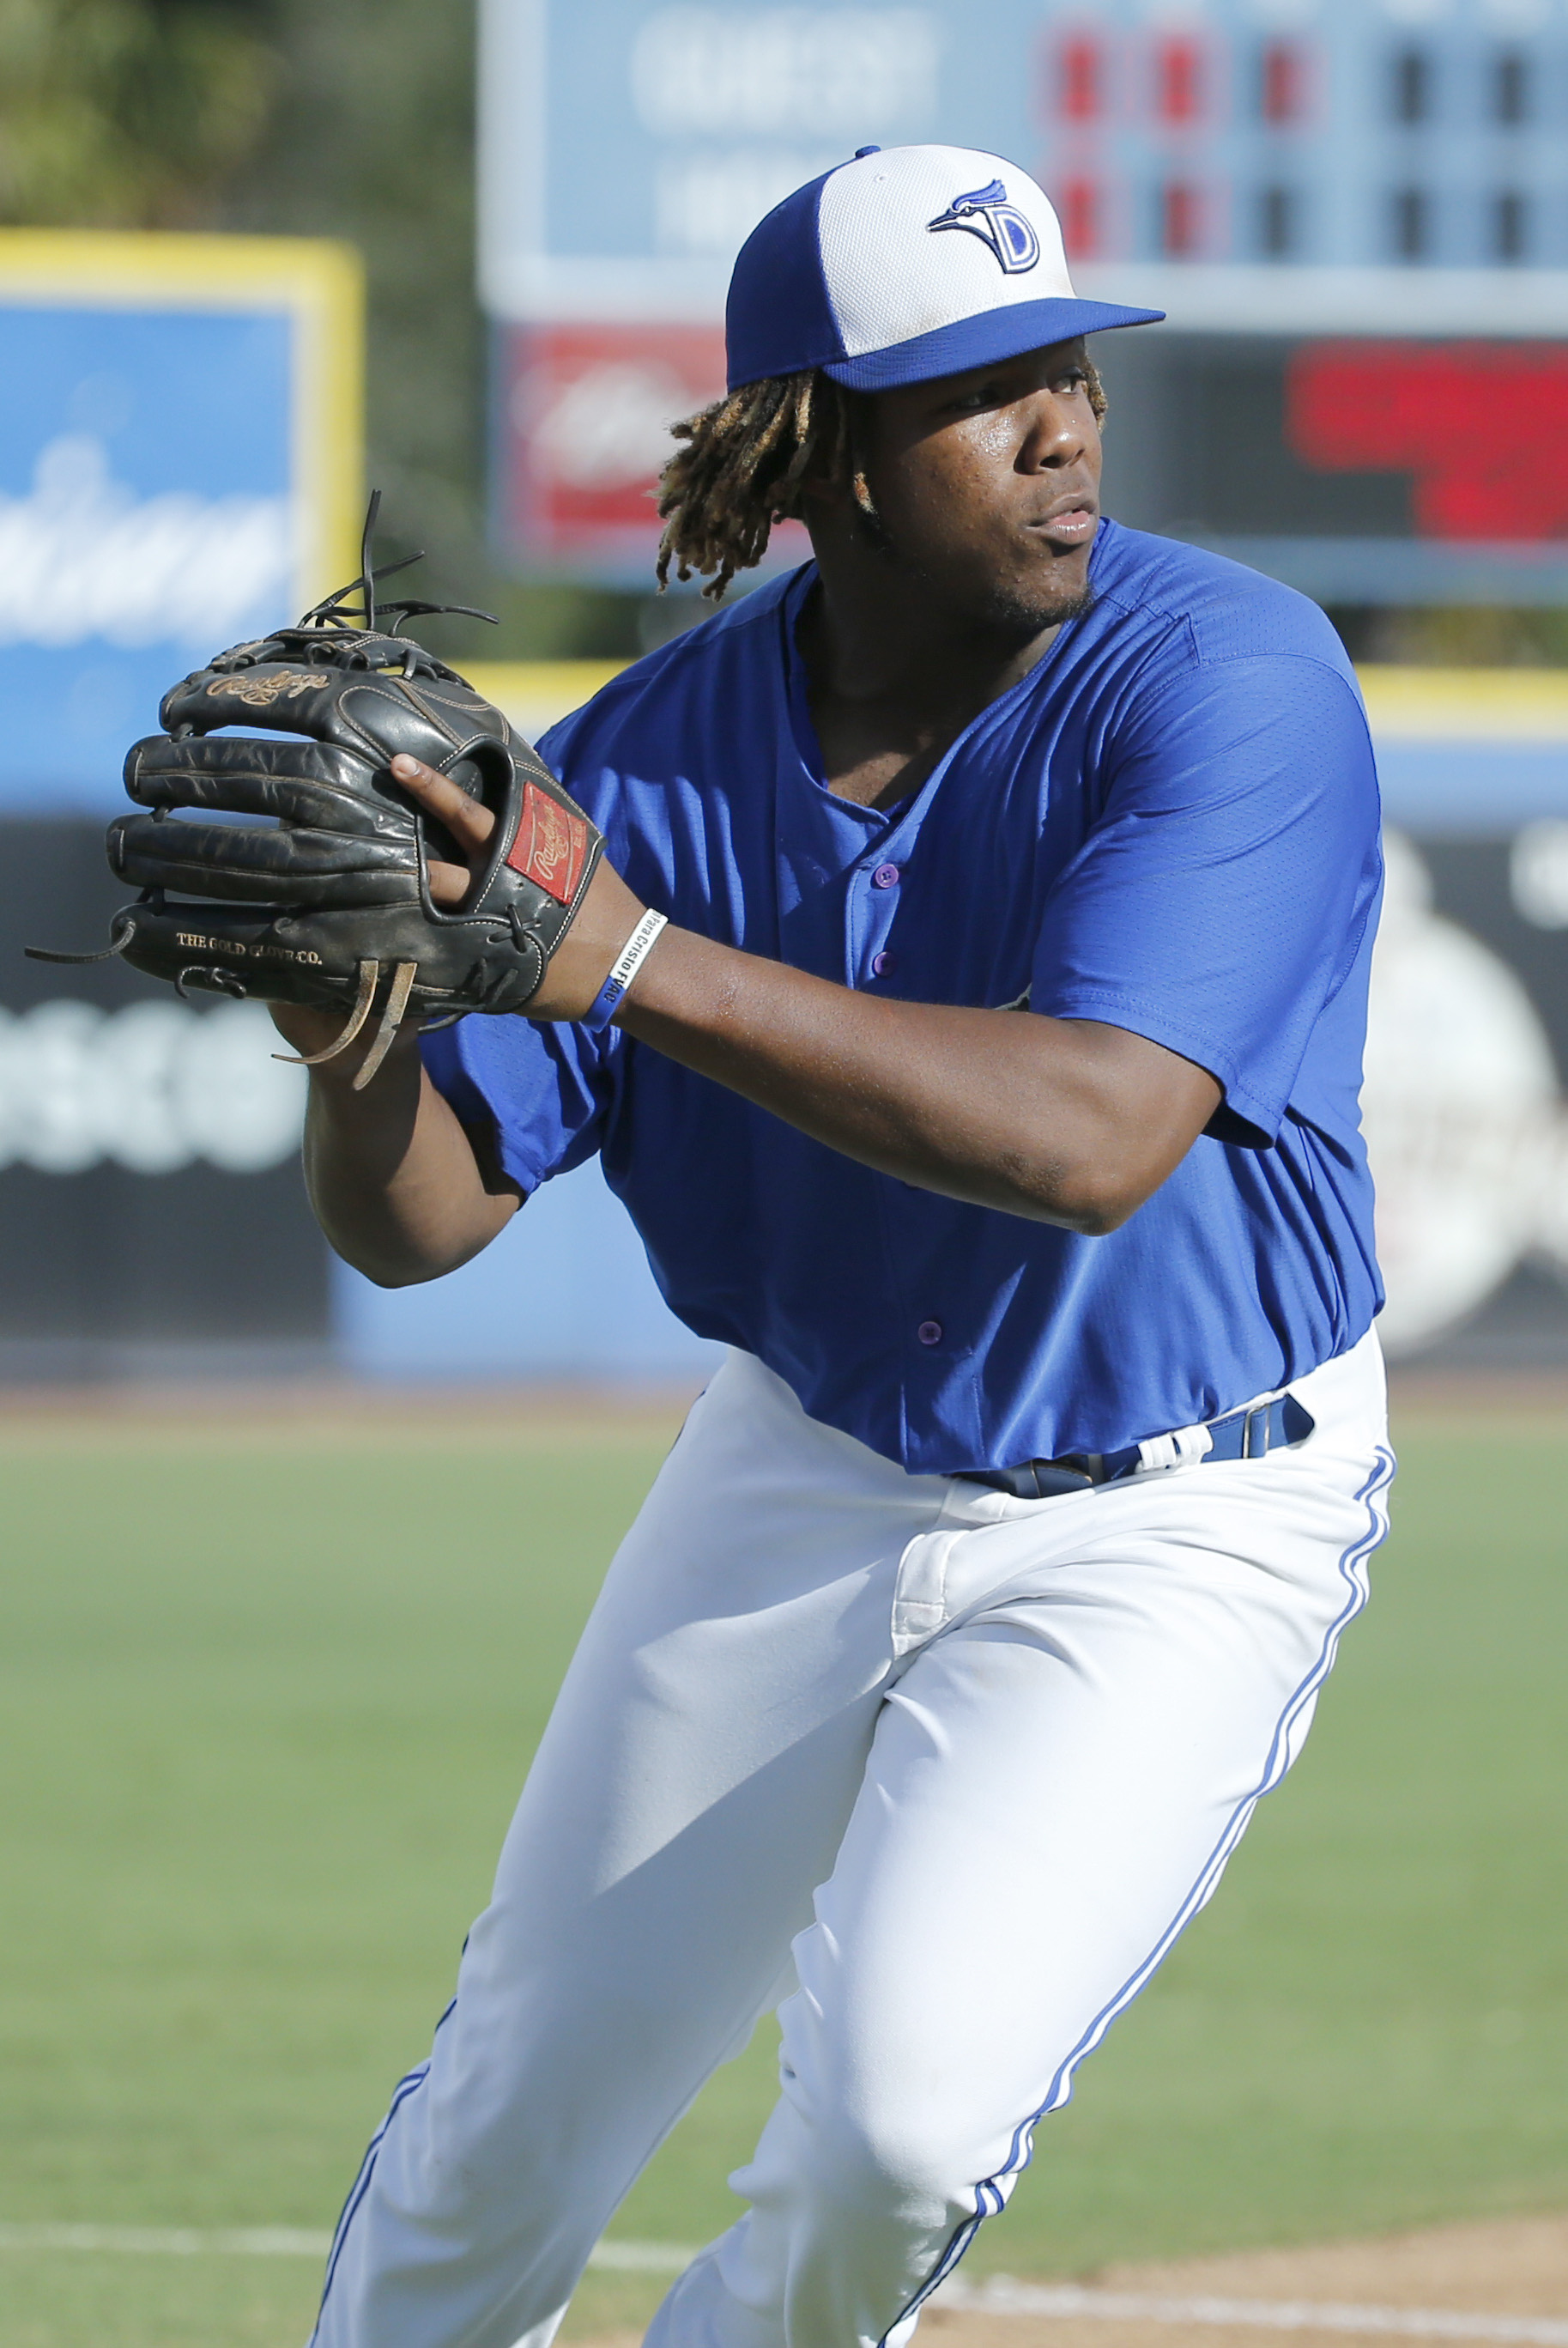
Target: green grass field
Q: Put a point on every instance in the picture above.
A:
(267, 1699)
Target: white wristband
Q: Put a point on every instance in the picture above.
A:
(623, 970)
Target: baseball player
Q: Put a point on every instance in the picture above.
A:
(969, 1010)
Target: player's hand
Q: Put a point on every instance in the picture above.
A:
(605, 920)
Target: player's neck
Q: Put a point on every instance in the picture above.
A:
(894, 677)
(878, 625)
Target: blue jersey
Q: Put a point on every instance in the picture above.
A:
(1169, 825)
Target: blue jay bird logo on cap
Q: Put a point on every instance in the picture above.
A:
(986, 213)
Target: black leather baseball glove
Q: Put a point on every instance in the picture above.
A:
(326, 900)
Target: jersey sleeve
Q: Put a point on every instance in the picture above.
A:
(545, 1090)
(1220, 900)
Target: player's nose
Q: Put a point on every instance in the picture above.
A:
(1053, 433)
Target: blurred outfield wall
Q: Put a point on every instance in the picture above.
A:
(179, 466)
(154, 1220)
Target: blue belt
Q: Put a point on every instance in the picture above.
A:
(1240, 1434)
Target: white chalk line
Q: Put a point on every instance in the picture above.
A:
(998, 2295)
(1001, 2295)
(281, 2243)
(172, 2242)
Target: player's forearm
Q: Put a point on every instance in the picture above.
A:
(1062, 1121)
(393, 1176)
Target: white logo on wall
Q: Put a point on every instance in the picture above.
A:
(153, 1088)
(1538, 872)
(1466, 1129)
(723, 72)
(607, 428)
(83, 556)
(800, 87)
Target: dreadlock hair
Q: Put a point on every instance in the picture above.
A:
(746, 461)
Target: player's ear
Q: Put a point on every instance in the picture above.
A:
(831, 482)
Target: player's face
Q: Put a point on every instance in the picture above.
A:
(986, 484)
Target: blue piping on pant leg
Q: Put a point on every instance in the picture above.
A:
(1352, 1569)
(361, 2185)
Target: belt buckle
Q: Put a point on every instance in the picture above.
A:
(1031, 1479)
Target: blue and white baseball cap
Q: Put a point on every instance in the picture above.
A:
(909, 263)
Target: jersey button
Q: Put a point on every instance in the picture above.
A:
(929, 1333)
(884, 877)
(881, 963)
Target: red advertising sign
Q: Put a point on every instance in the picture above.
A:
(1484, 432)
(585, 418)
(584, 413)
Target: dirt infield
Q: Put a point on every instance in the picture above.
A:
(1509, 2267)
(291, 1412)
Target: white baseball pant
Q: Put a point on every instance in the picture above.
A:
(958, 1767)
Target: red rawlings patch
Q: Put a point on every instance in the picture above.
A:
(551, 844)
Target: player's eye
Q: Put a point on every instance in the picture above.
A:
(979, 395)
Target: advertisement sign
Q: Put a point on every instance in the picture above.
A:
(1467, 1124)
(180, 469)
(583, 419)
(583, 427)
(1466, 1096)
(152, 1215)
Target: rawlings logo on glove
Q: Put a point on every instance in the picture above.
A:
(261, 692)
(551, 844)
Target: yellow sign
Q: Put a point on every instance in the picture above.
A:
(317, 286)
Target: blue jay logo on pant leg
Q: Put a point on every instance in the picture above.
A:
(986, 213)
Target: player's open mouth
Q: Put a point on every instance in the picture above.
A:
(1072, 526)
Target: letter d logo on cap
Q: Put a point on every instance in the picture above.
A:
(986, 213)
